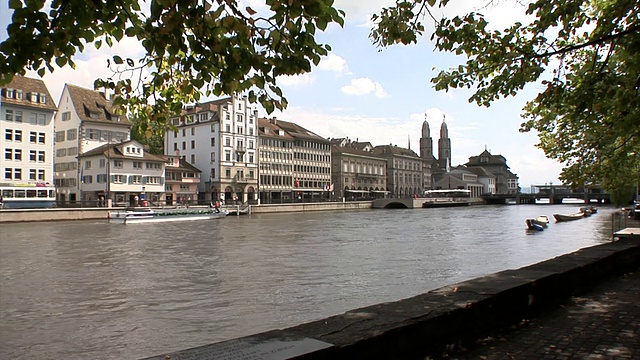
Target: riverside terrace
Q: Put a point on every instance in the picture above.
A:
(427, 325)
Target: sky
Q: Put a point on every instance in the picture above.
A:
(378, 95)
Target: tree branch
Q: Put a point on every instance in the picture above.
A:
(607, 38)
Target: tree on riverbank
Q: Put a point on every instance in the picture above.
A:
(191, 48)
(586, 55)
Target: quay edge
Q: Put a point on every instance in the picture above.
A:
(427, 324)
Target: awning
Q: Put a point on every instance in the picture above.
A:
(358, 191)
(380, 191)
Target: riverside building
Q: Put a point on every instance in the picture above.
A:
(26, 127)
(220, 138)
(86, 120)
(356, 172)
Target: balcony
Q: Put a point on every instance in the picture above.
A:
(238, 179)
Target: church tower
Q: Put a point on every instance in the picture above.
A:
(426, 142)
(444, 147)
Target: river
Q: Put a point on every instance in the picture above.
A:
(89, 289)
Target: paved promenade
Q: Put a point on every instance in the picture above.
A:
(603, 323)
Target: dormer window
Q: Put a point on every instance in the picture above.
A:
(19, 94)
(43, 98)
(94, 115)
(34, 97)
(10, 93)
(484, 159)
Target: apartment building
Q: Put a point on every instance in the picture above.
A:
(275, 162)
(506, 182)
(356, 172)
(85, 121)
(26, 125)
(118, 173)
(407, 173)
(181, 181)
(220, 138)
(311, 161)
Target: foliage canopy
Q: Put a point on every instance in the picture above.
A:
(191, 48)
(586, 55)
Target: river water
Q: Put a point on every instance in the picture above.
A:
(89, 289)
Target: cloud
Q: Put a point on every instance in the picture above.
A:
(295, 80)
(334, 63)
(364, 86)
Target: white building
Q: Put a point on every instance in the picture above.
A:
(85, 121)
(26, 113)
(121, 172)
(220, 138)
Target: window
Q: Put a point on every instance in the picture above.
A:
(8, 173)
(93, 134)
(251, 157)
(193, 144)
(240, 118)
(117, 179)
(41, 138)
(60, 136)
(193, 131)
(61, 152)
(153, 180)
(8, 114)
(184, 145)
(17, 135)
(101, 178)
(42, 120)
(32, 174)
(43, 98)
(227, 141)
(193, 158)
(66, 116)
(137, 165)
(8, 135)
(88, 179)
(17, 154)
(213, 156)
(10, 93)
(102, 163)
(33, 137)
(227, 173)
(240, 130)
(117, 164)
(135, 179)
(250, 144)
(239, 157)
(175, 146)
(227, 128)
(19, 94)
(18, 116)
(72, 134)
(213, 128)
(227, 155)
(8, 154)
(17, 174)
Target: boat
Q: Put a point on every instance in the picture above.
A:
(533, 225)
(588, 211)
(569, 217)
(542, 220)
(447, 198)
(147, 215)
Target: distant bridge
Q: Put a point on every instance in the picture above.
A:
(554, 194)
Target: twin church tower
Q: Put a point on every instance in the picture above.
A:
(443, 163)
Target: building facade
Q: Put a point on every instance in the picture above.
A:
(311, 162)
(407, 173)
(220, 138)
(357, 173)
(26, 125)
(85, 121)
(121, 174)
(181, 181)
(506, 182)
(275, 163)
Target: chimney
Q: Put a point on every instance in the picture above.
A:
(274, 120)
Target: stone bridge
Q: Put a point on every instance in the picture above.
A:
(397, 203)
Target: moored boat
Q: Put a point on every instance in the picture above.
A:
(146, 215)
(542, 220)
(533, 225)
(568, 217)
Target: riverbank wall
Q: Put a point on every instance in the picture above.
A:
(65, 214)
(430, 323)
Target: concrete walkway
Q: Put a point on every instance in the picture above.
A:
(603, 323)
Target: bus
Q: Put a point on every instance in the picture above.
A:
(28, 196)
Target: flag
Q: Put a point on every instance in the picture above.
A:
(331, 187)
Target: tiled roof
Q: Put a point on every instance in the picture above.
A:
(395, 150)
(182, 165)
(112, 151)
(264, 124)
(87, 102)
(354, 151)
(299, 132)
(28, 85)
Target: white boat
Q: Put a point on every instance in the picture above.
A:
(542, 220)
(569, 217)
(532, 225)
(147, 215)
